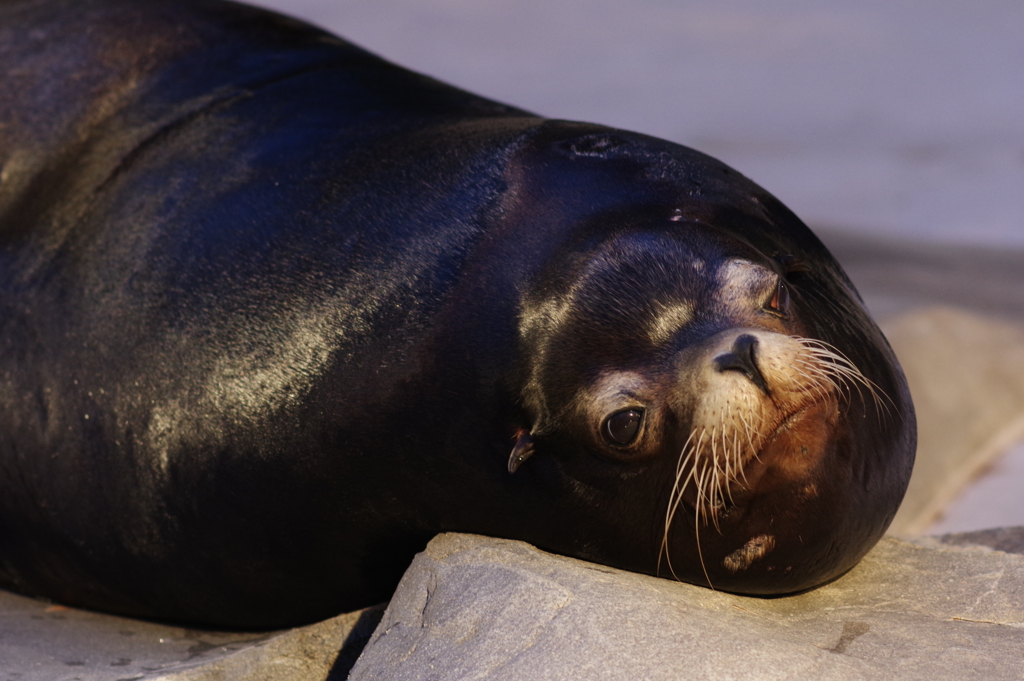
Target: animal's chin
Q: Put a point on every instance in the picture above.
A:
(741, 543)
(798, 444)
(789, 454)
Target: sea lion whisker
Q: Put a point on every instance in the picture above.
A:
(696, 535)
(841, 381)
(815, 377)
(727, 463)
(749, 431)
(855, 378)
(676, 496)
(845, 368)
(711, 469)
(741, 474)
(820, 383)
(676, 493)
(717, 499)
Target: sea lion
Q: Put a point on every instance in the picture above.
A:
(275, 312)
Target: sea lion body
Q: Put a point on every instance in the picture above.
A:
(273, 312)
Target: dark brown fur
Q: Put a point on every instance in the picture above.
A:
(274, 312)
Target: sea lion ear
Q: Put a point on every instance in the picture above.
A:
(521, 452)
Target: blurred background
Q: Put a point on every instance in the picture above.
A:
(895, 128)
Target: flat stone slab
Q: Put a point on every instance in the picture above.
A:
(898, 276)
(472, 608)
(1006, 539)
(966, 374)
(45, 642)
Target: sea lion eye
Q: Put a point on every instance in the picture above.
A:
(622, 426)
(780, 299)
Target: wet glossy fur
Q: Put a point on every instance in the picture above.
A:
(273, 312)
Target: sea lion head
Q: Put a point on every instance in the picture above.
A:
(704, 383)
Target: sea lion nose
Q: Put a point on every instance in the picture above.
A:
(743, 358)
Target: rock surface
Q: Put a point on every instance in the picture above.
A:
(45, 642)
(899, 276)
(966, 374)
(475, 608)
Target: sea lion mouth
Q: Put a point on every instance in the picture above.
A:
(794, 447)
(716, 499)
(755, 464)
(745, 443)
(796, 443)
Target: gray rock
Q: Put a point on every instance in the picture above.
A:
(474, 608)
(966, 374)
(45, 642)
(1006, 539)
(897, 276)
